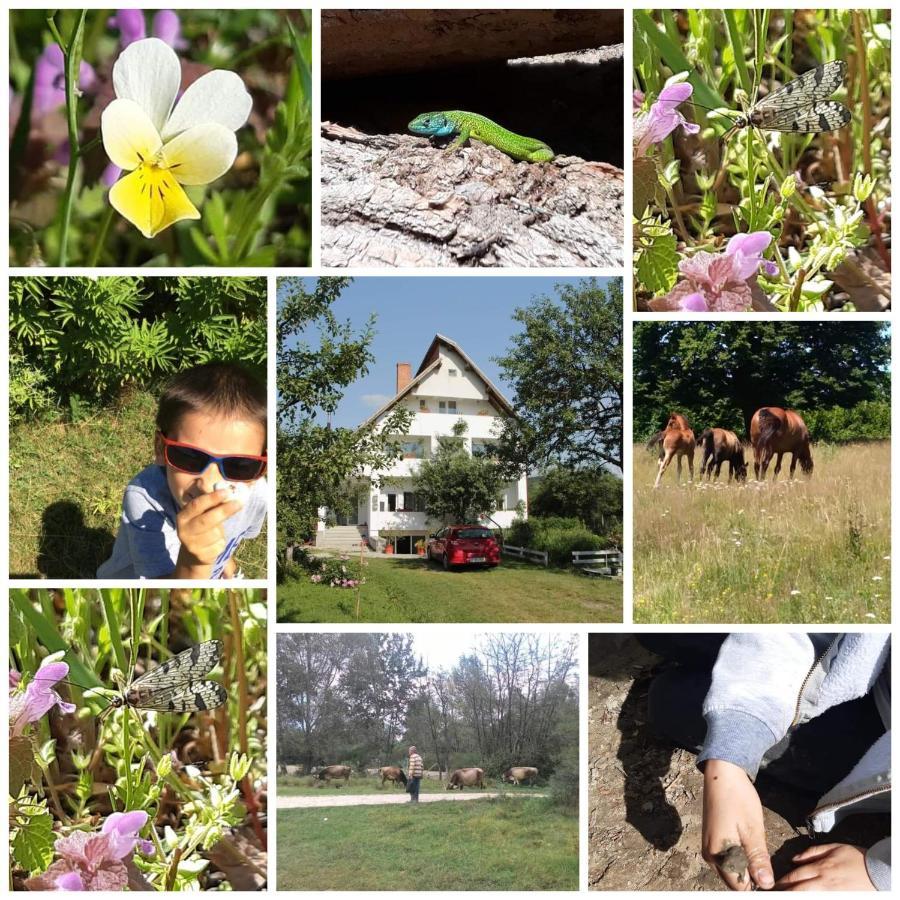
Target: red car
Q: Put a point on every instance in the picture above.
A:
(464, 545)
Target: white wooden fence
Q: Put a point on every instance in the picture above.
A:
(538, 556)
(598, 562)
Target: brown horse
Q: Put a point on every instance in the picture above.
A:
(721, 446)
(675, 440)
(778, 431)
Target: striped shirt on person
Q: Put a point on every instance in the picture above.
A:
(416, 767)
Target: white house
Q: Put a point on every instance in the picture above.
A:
(448, 386)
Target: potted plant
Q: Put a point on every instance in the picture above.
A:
(388, 543)
(420, 546)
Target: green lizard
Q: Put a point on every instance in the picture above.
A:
(469, 125)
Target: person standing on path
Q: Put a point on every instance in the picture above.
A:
(414, 775)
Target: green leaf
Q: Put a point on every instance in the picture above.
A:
(32, 846)
(657, 267)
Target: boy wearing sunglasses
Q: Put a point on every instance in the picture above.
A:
(185, 515)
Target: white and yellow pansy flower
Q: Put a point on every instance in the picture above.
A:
(162, 146)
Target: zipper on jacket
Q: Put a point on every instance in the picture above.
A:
(809, 675)
(863, 795)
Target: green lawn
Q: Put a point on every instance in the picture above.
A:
(302, 786)
(480, 845)
(413, 590)
(65, 491)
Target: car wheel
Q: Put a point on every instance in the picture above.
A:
(446, 563)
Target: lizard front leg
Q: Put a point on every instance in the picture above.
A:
(461, 138)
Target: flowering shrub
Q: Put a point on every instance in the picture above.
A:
(339, 572)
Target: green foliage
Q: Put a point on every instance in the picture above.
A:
(29, 395)
(866, 421)
(754, 181)
(457, 487)
(557, 536)
(564, 790)
(565, 368)
(593, 497)
(719, 373)
(31, 836)
(331, 571)
(318, 358)
(88, 338)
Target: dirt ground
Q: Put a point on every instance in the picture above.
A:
(645, 796)
(383, 800)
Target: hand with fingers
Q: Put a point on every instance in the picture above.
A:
(201, 532)
(828, 867)
(734, 835)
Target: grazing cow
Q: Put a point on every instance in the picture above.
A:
(517, 774)
(466, 778)
(778, 431)
(721, 446)
(675, 440)
(330, 773)
(392, 773)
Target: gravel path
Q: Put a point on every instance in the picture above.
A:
(377, 800)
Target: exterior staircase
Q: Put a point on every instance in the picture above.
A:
(345, 538)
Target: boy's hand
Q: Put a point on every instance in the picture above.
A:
(828, 867)
(200, 531)
(732, 815)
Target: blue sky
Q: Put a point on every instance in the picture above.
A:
(474, 311)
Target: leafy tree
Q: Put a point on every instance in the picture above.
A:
(565, 368)
(456, 486)
(591, 496)
(720, 373)
(318, 358)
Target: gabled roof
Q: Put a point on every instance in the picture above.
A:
(431, 362)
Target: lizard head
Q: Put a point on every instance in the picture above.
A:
(432, 124)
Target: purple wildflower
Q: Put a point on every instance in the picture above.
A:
(663, 118)
(50, 79)
(38, 698)
(132, 27)
(719, 282)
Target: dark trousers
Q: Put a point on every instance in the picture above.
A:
(412, 788)
(812, 758)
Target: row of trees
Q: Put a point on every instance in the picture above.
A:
(361, 699)
(565, 367)
(719, 373)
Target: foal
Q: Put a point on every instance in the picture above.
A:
(677, 440)
(719, 446)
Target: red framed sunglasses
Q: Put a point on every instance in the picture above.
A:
(194, 461)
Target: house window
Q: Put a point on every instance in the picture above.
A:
(412, 449)
(392, 502)
(412, 502)
(422, 404)
(442, 406)
(374, 502)
(451, 407)
(447, 406)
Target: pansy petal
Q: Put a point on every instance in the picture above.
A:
(129, 137)
(152, 200)
(218, 96)
(201, 154)
(149, 73)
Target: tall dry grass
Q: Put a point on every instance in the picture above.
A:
(805, 551)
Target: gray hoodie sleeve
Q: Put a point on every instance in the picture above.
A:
(756, 683)
(878, 863)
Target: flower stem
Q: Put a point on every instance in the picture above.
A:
(72, 58)
(101, 237)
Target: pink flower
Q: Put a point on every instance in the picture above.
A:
(663, 118)
(50, 80)
(719, 282)
(637, 99)
(38, 698)
(89, 861)
(14, 679)
(132, 27)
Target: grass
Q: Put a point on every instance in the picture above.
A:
(305, 786)
(65, 491)
(412, 590)
(804, 551)
(484, 845)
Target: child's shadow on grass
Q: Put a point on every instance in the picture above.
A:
(68, 548)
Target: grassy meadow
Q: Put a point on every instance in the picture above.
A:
(486, 845)
(413, 590)
(66, 483)
(805, 551)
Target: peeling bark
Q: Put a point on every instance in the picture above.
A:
(396, 200)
